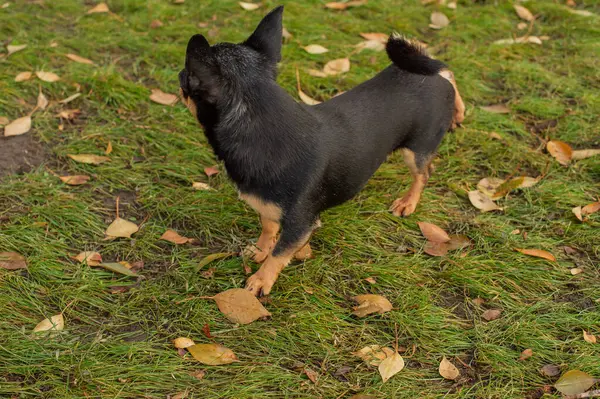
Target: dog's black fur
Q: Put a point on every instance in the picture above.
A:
(305, 159)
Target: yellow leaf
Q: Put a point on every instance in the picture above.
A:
(589, 337)
(491, 314)
(538, 253)
(121, 228)
(306, 99)
(109, 148)
(448, 370)
(160, 97)
(175, 238)
(373, 354)
(89, 257)
(47, 76)
(13, 49)
(574, 382)
(12, 261)
(100, 8)
(212, 354)
(482, 202)
(576, 270)
(433, 232)
(371, 303)
(70, 98)
(577, 212)
(81, 60)
(438, 20)
(116, 268)
(583, 154)
(42, 101)
(201, 186)
(336, 67)
(391, 366)
(249, 6)
(240, 306)
(524, 13)
(590, 208)
(54, 323)
(23, 76)
(315, 49)
(183, 342)
(18, 126)
(489, 185)
(89, 158)
(561, 151)
(213, 257)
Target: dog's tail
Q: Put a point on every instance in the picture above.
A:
(411, 56)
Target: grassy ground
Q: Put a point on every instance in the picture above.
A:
(118, 345)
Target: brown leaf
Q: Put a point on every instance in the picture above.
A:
(210, 258)
(89, 257)
(206, 331)
(76, 180)
(69, 114)
(438, 20)
(175, 238)
(315, 49)
(374, 354)
(54, 323)
(458, 241)
(589, 337)
(4, 120)
(211, 170)
(121, 228)
(47, 76)
(42, 101)
(249, 6)
(583, 154)
(156, 24)
(491, 314)
(524, 13)
(561, 151)
(482, 202)
(198, 374)
(13, 49)
(526, 354)
(496, 109)
(240, 306)
(81, 60)
(433, 233)
(183, 342)
(12, 261)
(391, 366)
(336, 67)
(100, 8)
(538, 253)
(380, 37)
(18, 126)
(312, 375)
(89, 158)
(371, 280)
(590, 208)
(201, 186)
(550, 370)
(23, 76)
(212, 354)
(208, 273)
(371, 303)
(478, 301)
(109, 148)
(448, 370)
(574, 382)
(436, 248)
(160, 97)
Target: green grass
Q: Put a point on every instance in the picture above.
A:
(119, 345)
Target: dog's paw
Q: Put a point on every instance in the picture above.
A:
(255, 253)
(261, 283)
(304, 253)
(404, 206)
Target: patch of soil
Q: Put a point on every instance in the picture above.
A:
(454, 302)
(20, 154)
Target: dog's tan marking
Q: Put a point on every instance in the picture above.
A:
(459, 105)
(266, 241)
(406, 205)
(189, 103)
(262, 281)
(304, 253)
(265, 209)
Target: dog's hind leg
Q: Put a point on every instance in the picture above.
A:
(459, 106)
(420, 168)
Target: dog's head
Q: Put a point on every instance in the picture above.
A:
(215, 75)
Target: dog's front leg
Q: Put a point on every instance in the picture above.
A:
(265, 242)
(294, 237)
(420, 168)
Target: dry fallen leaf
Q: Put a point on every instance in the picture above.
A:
(175, 238)
(249, 6)
(433, 233)
(4, 120)
(100, 8)
(590, 208)
(574, 382)
(577, 212)
(438, 20)
(315, 49)
(576, 270)
(18, 126)
(482, 202)
(436, 248)
(496, 109)
(371, 280)
(69, 114)
(89, 158)
(514, 184)
(526, 354)
(121, 228)
(240, 306)
(489, 185)
(199, 374)
(89, 257)
(391, 366)
(374, 45)
(156, 24)
(491, 314)
(75, 180)
(452, 5)
(522, 25)
(47, 76)
(117, 267)
(371, 303)
(374, 354)
(376, 36)
(286, 33)
(23, 76)
(458, 241)
(54, 323)
(201, 186)
(81, 60)
(212, 354)
(336, 5)
(522, 39)
(213, 257)
(317, 73)
(583, 154)
(12, 261)
(448, 370)
(589, 337)
(211, 170)
(305, 98)
(183, 342)
(538, 253)
(336, 67)
(524, 13)
(13, 49)
(160, 97)
(583, 13)
(550, 370)
(70, 98)
(42, 101)
(312, 375)
(561, 151)
(109, 148)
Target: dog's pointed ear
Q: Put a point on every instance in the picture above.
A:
(202, 75)
(197, 48)
(267, 37)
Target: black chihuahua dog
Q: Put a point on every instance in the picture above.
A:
(291, 161)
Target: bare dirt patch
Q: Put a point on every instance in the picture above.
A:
(20, 154)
